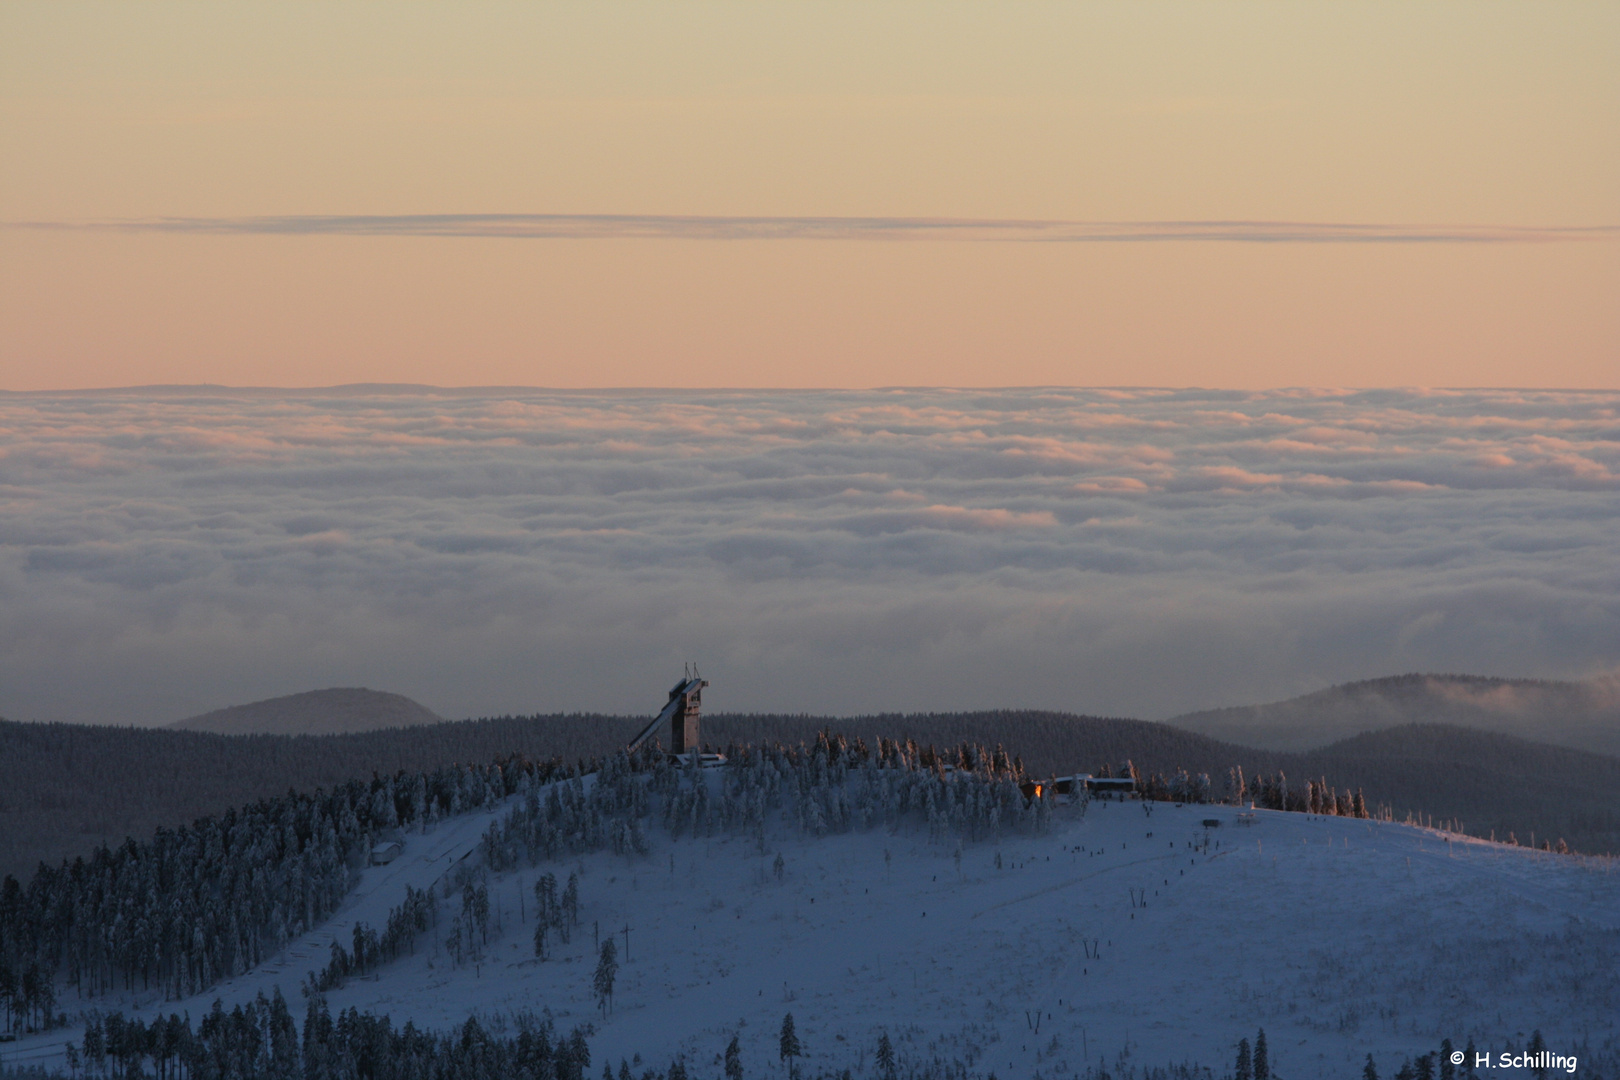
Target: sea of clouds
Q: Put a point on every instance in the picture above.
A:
(1130, 552)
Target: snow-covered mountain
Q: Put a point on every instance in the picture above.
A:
(1159, 932)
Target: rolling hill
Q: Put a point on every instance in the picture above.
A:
(338, 711)
(65, 788)
(1105, 943)
(1582, 715)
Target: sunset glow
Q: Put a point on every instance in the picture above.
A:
(1461, 123)
(809, 539)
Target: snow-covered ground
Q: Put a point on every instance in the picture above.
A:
(1339, 937)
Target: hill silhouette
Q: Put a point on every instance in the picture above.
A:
(1581, 715)
(338, 711)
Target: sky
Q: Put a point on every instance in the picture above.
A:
(1111, 552)
(711, 240)
(275, 194)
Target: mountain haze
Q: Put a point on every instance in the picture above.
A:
(1581, 715)
(338, 711)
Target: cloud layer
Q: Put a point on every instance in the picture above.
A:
(1136, 552)
(698, 227)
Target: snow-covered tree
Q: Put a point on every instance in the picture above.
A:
(885, 1054)
(607, 968)
(542, 930)
(788, 1043)
(1537, 1045)
(570, 900)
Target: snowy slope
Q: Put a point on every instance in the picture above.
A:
(1340, 937)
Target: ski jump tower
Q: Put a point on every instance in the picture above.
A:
(681, 714)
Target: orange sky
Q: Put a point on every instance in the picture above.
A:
(1485, 114)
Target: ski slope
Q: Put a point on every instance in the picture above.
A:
(1339, 937)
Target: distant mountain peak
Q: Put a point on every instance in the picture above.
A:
(338, 710)
(1425, 682)
(1582, 715)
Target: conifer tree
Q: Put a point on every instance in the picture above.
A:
(1537, 1045)
(545, 898)
(8, 989)
(607, 967)
(481, 912)
(1262, 1062)
(1369, 1071)
(788, 1044)
(734, 1069)
(885, 1056)
(570, 900)
(1244, 1069)
(579, 1053)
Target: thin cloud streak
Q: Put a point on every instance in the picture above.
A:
(934, 229)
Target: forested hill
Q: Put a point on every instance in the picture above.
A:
(1048, 742)
(1581, 715)
(66, 788)
(1492, 783)
(1485, 780)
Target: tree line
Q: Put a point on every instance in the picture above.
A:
(261, 1041)
(204, 902)
(65, 787)
(834, 785)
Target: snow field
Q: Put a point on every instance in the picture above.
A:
(1117, 931)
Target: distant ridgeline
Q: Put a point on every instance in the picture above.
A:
(66, 788)
(338, 711)
(1579, 715)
